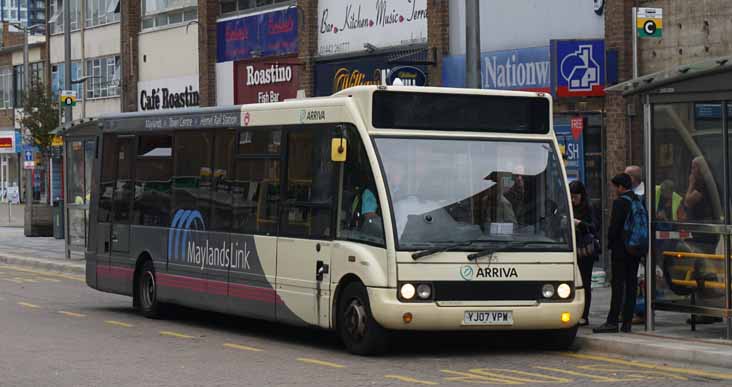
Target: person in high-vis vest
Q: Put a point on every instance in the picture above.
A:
(668, 203)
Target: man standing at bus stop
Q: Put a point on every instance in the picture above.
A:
(624, 265)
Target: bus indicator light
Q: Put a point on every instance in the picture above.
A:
(566, 316)
(407, 317)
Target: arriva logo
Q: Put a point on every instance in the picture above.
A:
(466, 272)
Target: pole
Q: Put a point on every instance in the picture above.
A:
(28, 223)
(650, 265)
(472, 44)
(67, 56)
(635, 43)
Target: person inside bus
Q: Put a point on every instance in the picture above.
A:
(585, 228)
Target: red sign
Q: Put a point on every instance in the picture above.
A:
(266, 80)
(6, 143)
(577, 124)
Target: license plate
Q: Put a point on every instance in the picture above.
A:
(488, 318)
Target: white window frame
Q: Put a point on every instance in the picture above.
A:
(103, 73)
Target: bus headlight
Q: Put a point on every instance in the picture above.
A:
(407, 291)
(424, 291)
(547, 291)
(564, 291)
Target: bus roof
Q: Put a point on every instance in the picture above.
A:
(350, 105)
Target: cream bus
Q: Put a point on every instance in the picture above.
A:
(377, 209)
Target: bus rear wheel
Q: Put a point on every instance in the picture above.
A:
(356, 327)
(147, 291)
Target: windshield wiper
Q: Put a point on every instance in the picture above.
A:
(506, 246)
(441, 249)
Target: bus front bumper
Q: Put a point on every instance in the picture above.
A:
(389, 312)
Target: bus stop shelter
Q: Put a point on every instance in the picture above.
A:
(687, 119)
(79, 153)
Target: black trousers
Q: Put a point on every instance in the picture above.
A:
(624, 284)
(585, 266)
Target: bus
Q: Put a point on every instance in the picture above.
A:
(374, 210)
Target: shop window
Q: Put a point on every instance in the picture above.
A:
(229, 6)
(153, 177)
(689, 162)
(192, 181)
(310, 177)
(159, 13)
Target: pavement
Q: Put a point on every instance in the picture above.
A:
(672, 341)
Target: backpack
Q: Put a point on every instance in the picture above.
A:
(636, 229)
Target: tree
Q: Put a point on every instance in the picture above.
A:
(40, 116)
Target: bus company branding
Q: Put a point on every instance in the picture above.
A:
(345, 26)
(312, 115)
(171, 93)
(524, 69)
(188, 245)
(468, 273)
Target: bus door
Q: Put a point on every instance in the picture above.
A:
(305, 242)
(120, 265)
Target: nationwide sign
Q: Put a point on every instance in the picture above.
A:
(266, 80)
(267, 34)
(578, 68)
(353, 25)
(527, 69)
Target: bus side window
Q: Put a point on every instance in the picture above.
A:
(360, 213)
(192, 175)
(153, 174)
(222, 181)
(256, 188)
(106, 181)
(310, 178)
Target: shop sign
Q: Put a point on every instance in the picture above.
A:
(331, 77)
(526, 69)
(7, 141)
(266, 34)
(578, 68)
(267, 80)
(353, 25)
(573, 148)
(170, 93)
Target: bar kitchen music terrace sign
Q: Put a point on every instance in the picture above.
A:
(346, 26)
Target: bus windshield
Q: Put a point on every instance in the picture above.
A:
(448, 190)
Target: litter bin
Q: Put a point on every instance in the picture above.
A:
(58, 219)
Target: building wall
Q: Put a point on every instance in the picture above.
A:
(168, 53)
(692, 32)
(129, 49)
(438, 37)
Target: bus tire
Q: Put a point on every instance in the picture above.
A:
(561, 339)
(147, 291)
(356, 327)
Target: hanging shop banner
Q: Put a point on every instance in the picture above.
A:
(331, 77)
(266, 34)
(571, 139)
(578, 68)
(266, 80)
(7, 141)
(169, 93)
(355, 25)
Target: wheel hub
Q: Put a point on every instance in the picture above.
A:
(355, 319)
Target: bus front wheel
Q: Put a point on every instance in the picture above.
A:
(147, 291)
(561, 339)
(356, 327)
